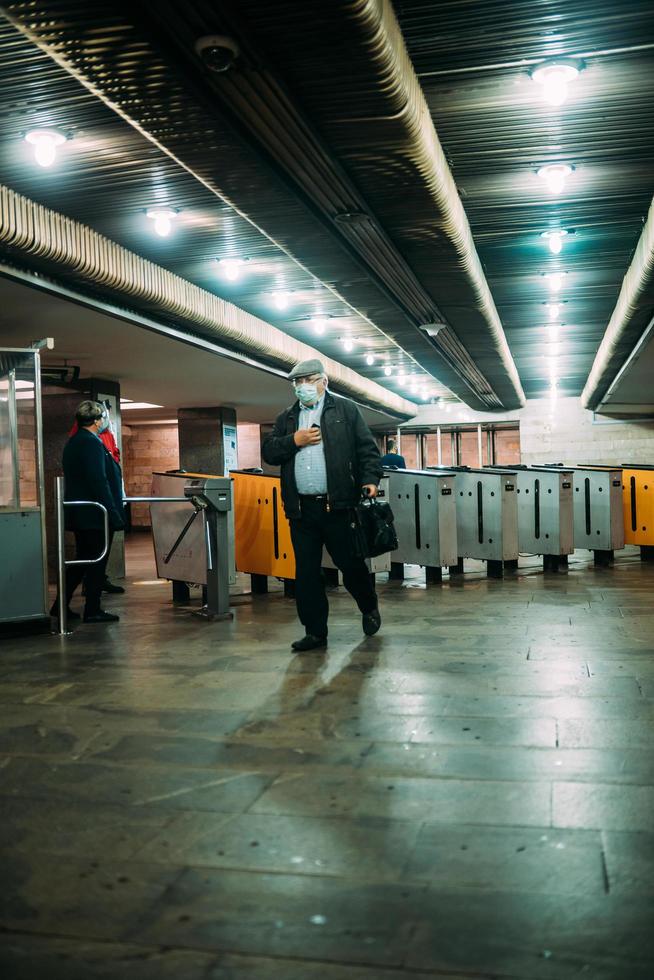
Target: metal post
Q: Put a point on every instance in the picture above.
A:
(480, 450)
(453, 446)
(439, 447)
(489, 447)
(61, 557)
(40, 468)
(13, 433)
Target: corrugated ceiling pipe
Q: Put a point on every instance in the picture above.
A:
(397, 76)
(638, 278)
(30, 229)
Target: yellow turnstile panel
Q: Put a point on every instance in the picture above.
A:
(638, 504)
(262, 535)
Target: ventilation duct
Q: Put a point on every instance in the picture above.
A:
(64, 247)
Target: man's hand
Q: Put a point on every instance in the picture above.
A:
(307, 437)
(369, 490)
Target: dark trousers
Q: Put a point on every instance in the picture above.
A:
(315, 528)
(88, 544)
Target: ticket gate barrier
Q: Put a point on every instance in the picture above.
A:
(545, 513)
(486, 518)
(598, 509)
(424, 508)
(192, 536)
(638, 507)
(262, 533)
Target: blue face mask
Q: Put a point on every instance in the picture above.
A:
(307, 394)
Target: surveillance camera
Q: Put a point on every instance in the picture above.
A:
(217, 52)
(432, 329)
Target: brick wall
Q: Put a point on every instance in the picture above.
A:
(146, 449)
(507, 447)
(249, 445)
(564, 432)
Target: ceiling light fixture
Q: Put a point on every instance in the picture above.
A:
(388, 371)
(231, 268)
(555, 239)
(370, 360)
(553, 310)
(553, 332)
(45, 143)
(555, 280)
(554, 176)
(401, 378)
(163, 219)
(124, 407)
(281, 299)
(348, 344)
(319, 324)
(555, 76)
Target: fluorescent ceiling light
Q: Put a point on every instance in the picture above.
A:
(130, 405)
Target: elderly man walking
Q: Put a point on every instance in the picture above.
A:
(328, 460)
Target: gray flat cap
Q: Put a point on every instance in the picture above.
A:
(307, 368)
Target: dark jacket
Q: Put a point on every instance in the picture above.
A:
(351, 453)
(394, 459)
(91, 474)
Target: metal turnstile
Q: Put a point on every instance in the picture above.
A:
(486, 518)
(545, 513)
(424, 508)
(23, 567)
(638, 507)
(192, 535)
(598, 512)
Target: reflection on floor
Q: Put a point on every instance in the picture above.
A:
(467, 794)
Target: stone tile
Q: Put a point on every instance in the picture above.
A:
(365, 847)
(88, 830)
(629, 862)
(59, 895)
(330, 919)
(490, 859)
(219, 790)
(543, 937)
(48, 958)
(602, 807)
(202, 752)
(511, 763)
(605, 732)
(438, 800)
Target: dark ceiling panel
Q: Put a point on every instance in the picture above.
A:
(473, 60)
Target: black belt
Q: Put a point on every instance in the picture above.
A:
(313, 496)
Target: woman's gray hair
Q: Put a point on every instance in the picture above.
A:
(88, 412)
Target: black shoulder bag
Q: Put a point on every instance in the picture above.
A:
(375, 519)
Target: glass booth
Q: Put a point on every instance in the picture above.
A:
(23, 556)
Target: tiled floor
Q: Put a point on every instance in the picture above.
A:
(468, 794)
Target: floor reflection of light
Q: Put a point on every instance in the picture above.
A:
(151, 581)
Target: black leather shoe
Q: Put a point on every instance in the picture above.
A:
(101, 617)
(111, 588)
(309, 642)
(371, 622)
(54, 611)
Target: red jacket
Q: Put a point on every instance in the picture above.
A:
(107, 438)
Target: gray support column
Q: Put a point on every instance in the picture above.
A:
(207, 440)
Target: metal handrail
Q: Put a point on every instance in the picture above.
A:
(60, 503)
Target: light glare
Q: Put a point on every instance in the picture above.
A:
(45, 143)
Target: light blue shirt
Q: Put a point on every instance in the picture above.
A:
(310, 468)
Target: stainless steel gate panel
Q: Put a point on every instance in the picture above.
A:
(598, 512)
(189, 562)
(487, 514)
(545, 511)
(424, 507)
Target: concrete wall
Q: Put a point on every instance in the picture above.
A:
(562, 431)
